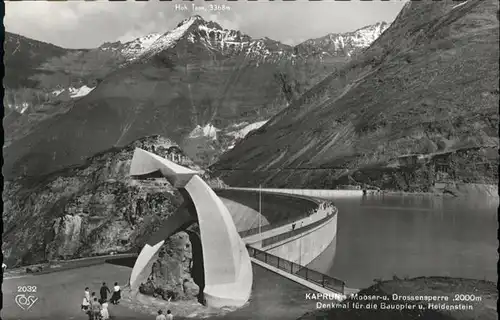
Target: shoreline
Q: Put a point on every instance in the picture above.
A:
(451, 190)
(486, 190)
(410, 193)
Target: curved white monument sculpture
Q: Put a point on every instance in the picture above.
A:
(227, 267)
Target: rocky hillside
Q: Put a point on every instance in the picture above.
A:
(22, 56)
(419, 106)
(39, 73)
(41, 79)
(95, 208)
(199, 74)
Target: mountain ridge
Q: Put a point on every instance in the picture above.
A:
(193, 75)
(348, 42)
(379, 121)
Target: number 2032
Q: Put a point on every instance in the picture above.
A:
(26, 288)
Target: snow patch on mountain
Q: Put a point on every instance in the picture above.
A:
(215, 33)
(240, 134)
(74, 92)
(24, 107)
(57, 92)
(79, 92)
(208, 131)
(239, 125)
(243, 129)
(459, 5)
(21, 108)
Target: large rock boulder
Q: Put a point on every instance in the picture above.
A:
(147, 288)
(191, 289)
(170, 276)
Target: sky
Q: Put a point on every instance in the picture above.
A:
(78, 24)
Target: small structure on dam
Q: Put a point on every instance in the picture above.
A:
(227, 269)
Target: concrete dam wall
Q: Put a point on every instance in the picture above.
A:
(244, 217)
(276, 208)
(308, 246)
(303, 227)
(315, 193)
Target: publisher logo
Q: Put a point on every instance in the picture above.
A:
(25, 302)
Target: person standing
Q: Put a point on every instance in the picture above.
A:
(104, 311)
(87, 293)
(104, 292)
(86, 301)
(95, 309)
(116, 294)
(170, 316)
(160, 316)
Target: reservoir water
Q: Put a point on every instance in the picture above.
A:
(380, 236)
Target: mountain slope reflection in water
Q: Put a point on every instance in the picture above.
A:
(380, 236)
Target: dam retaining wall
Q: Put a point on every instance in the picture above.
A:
(305, 246)
(315, 193)
(277, 209)
(300, 239)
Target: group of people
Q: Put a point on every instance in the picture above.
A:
(161, 316)
(98, 309)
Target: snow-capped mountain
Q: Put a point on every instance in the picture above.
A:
(207, 33)
(216, 38)
(192, 82)
(213, 36)
(343, 43)
(149, 45)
